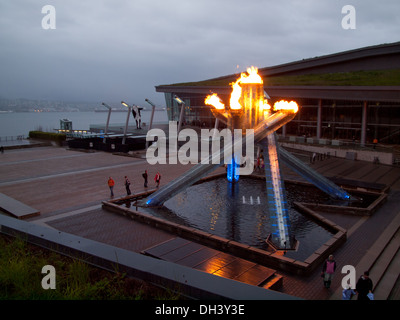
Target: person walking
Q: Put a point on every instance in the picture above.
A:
(145, 176)
(364, 286)
(328, 269)
(111, 184)
(157, 179)
(127, 184)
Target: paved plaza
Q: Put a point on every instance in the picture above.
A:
(68, 186)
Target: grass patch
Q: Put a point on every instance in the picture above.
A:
(21, 278)
(354, 78)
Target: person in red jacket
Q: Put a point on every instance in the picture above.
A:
(157, 179)
(111, 184)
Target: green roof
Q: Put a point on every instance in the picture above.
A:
(355, 78)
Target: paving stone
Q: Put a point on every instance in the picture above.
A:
(56, 181)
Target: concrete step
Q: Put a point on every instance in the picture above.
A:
(384, 260)
(16, 208)
(372, 255)
(381, 258)
(388, 280)
(395, 293)
(273, 283)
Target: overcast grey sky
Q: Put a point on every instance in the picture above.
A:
(113, 50)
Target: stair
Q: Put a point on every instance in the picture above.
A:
(386, 269)
(275, 282)
(383, 262)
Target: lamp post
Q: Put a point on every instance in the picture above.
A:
(108, 121)
(151, 118)
(127, 120)
(182, 103)
(152, 112)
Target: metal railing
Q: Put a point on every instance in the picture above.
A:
(12, 138)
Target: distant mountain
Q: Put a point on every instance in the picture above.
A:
(30, 105)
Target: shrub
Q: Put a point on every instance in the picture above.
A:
(56, 137)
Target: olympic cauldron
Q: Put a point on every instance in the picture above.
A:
(248, 109)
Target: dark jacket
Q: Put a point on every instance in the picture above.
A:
(363, 287)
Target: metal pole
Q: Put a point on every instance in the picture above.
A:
(108, 121)
(215, 127)
(364, 124)
(182, 103)
(181, 117)
(126, 125)
(319, 119)
(152, 112)
(151, 118)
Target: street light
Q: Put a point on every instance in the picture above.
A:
(152, 112)
(182, 103)
(127, 120)
(151, 118)
(108, 120)
(177, 99)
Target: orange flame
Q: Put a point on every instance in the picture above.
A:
(284, 105)
(252, 76)
(214, 101)
(235, 96)
(266, 105)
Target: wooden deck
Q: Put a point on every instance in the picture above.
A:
(199, 257)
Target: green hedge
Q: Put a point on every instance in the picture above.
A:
(57, 137)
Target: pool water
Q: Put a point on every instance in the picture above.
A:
(239, 212)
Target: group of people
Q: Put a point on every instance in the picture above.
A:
(127, 183)
(363, 288)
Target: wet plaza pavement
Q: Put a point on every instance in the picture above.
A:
(68, 186)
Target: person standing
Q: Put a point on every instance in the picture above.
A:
(137, 116)
(111, 184)
(328, 270)
(314, 156)
(364, 286)
(145, 176)
(127, 184)
(375, 142)
(157, 179)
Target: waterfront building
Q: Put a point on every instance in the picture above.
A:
(352, 95)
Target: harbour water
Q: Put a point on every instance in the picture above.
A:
(14, 124)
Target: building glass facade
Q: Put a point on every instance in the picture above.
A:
(340, 119)
(196, 113)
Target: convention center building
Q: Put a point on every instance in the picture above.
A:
(352, 95)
